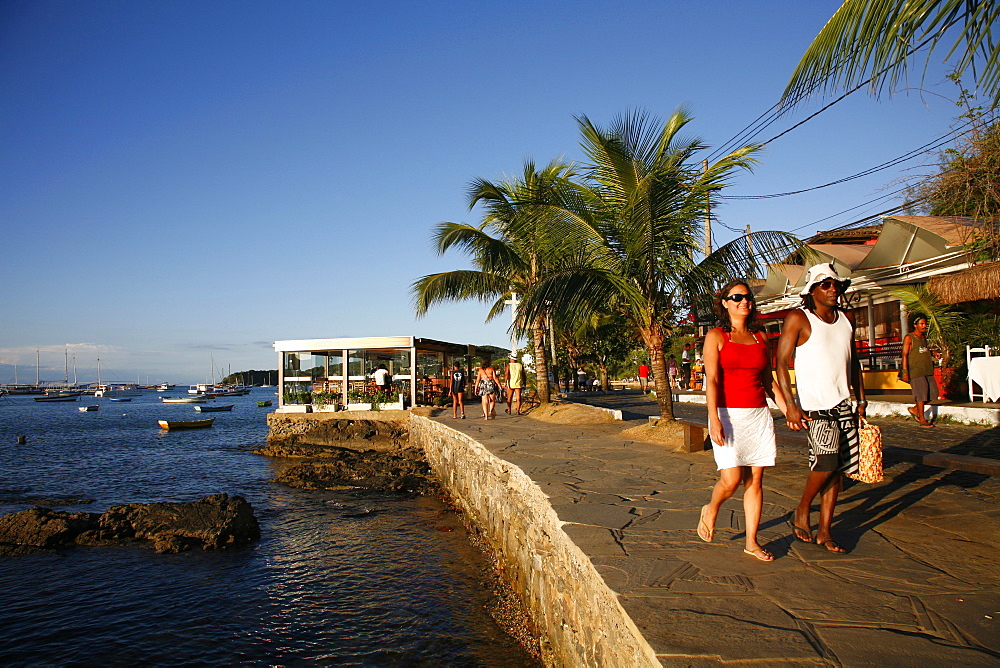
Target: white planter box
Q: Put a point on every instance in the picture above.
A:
(294, 408)
(328, 408)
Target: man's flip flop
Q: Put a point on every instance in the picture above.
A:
(798, 531)
(832, 546)
(701, 523)
(760, 554)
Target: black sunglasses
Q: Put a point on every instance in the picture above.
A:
(738, 298)
(829, 283)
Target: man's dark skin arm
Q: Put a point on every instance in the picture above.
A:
(794, 332)
(857, 377)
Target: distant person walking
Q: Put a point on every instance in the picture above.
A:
(581, 380)
(514, 379)
(686, 366)
(738, 382)
(918, 370)
(644, 377)
(456, 390)
(488, 387)
(820, 338)
(672, 372)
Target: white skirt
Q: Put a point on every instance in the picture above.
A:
(749, 434)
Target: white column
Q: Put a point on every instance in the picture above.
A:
(871, 322)
(513, 302)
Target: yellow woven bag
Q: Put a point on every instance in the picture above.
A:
(870, 464)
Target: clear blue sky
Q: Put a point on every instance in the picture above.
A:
(182, 181)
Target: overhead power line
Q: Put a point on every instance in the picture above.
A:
(909, 155)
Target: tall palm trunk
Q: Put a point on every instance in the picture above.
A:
(653, 337)
(541, 366)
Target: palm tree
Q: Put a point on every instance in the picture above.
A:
(873, 41)
(510, 261)
(635, 230)
(942, 321)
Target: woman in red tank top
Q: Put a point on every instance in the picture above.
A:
(738, 382)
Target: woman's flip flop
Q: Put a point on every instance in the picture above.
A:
(701, 523)
(760, 554)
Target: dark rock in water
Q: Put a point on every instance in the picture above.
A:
(372, 470)
(214, 522)
(45, 528)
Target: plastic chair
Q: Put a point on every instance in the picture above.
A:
(971, 352)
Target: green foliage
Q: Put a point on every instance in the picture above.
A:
(874, 42)
(297, 397)
(376, 399)
(321, 399)
(941, 319)
(252, 377)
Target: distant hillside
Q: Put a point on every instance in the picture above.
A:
(252, 377)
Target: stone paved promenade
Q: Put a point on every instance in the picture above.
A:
(919, 587)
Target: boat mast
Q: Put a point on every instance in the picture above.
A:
(98, 373)
(66, 370)
(37, 383)
(75, 382)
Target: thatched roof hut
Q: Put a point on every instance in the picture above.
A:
(972, 284)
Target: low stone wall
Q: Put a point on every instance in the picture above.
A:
(365, 430)
(579, 617)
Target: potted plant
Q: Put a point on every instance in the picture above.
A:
(324, 402)
(296, 401)
(361, 400)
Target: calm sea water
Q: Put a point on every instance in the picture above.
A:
(335, 579)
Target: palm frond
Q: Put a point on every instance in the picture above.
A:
(919, 299)
(458, 285)
(874, 41)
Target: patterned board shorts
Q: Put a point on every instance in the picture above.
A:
(833, 439)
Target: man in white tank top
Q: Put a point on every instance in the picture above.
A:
(820, 337)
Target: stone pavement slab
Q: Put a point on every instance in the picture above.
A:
(920, 585)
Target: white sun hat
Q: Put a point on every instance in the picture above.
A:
(819, 273)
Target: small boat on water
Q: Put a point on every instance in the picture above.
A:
(193, 399)
(265, 404)
(171, 425)
(58, 397)
(63, 393)
(87, 409)
(214, 409)
(119, 398)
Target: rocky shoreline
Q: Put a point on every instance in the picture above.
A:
(214, 522)
(374, 457)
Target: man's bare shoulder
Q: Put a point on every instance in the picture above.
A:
(796, 318)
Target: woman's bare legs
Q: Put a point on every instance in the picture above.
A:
(725, 487)
(753, 503)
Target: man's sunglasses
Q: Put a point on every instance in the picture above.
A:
(738, 298)
(830, 283)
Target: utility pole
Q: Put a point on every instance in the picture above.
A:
(708, 215)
